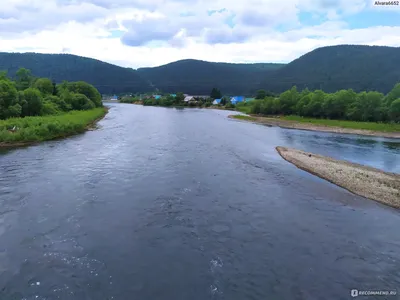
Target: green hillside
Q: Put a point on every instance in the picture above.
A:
(361, 68)
(199, 77)
(107, 78)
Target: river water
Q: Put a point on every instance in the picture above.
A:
(186, 204)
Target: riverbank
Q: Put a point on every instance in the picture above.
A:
(368, 182)
(18, 132)
(327, 127)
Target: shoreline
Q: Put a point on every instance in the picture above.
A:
(314, 127)
(89, 127)
(368, 182)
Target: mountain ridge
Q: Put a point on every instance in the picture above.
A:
(329, 68)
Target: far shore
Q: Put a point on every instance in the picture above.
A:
(313, 127)
(88, 127)
(371, 183)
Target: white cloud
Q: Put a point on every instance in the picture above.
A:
(85, 27)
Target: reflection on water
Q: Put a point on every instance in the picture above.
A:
(391, 145)
(376, 152)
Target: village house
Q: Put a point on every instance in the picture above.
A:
(189, 99)
(217, 101)
(237, 99)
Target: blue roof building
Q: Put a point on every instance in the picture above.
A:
(157, 97)
(114, 97)
(173, 95)
(217, 101)
(237, 99)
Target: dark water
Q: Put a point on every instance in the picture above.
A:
(186, 204)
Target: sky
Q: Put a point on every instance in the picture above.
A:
(146, 33)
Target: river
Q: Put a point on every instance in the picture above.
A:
(187, 204)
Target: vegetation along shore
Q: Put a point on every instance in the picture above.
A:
(37, 109)
(334, 126)
(364, 113)
(345, 111)
(368, 182)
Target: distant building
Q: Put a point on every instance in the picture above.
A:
(156, 97)
(173, 95)
(189, 98)
(217, 101)
(237, 99)
(115, 98)
(249, 99)
(200, 96)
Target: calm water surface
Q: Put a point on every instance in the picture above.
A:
(187, 204)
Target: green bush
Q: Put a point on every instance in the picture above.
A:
(49, 108)
(29, 97)
(342, 105)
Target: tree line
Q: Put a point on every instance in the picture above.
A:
(341, 105)
(31, 96)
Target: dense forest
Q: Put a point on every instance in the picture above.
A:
(31, 96)
(342, 105)
(361, 68)
(107, 78)
(197, 77)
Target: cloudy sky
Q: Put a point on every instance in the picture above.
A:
(139, 33)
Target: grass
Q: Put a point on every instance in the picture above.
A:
(36, 129)
(384, 127)
(243, 107)
(247, 118)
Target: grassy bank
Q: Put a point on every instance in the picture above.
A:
(335, 126)
(384, 127)
(20, 131)
(241, 117)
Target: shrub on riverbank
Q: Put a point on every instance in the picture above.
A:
(40, 128)
(343, 105)
(29, 96)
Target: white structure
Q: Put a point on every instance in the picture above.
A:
(188, 98)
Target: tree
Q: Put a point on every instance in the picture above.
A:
(179, 97)
(81, 102)
(24, 79)
(33, 104)
(302, 104)
(3, 75)
(8, 97)
(44, 85)
(393, 95)
(54, 88)
(288, 100)
(14, 111)
(261, 94)
(314, 107)
(86, 89)
(394, 110)
(256, 107)
(216, 94)
(60, 103)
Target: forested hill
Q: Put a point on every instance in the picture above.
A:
(107, 78)
(361, 68)
(328, 68)
(199, 77)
